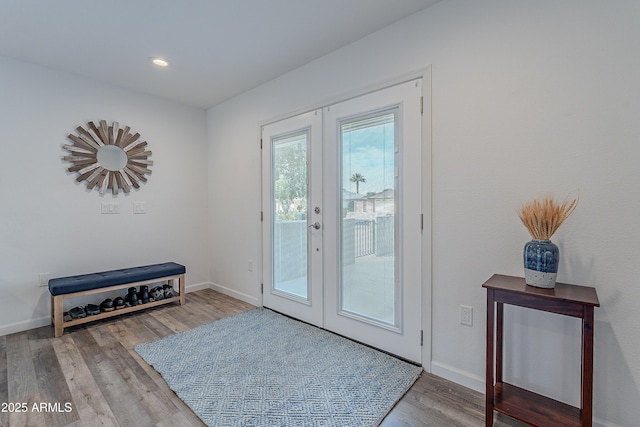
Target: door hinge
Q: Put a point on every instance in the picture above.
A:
(261, 143)
(421, 337)
(262, 288)
(261, 216)
(421, 221)
(421, 105)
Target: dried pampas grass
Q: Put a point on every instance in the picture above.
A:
(543, 217)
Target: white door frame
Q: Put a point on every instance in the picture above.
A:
(426, 75)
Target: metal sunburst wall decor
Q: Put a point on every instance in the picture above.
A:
(108, 157)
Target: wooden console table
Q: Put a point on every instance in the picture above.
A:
(516, 402)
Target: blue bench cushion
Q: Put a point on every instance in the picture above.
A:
(85, 282)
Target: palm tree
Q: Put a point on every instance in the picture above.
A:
(358, 178)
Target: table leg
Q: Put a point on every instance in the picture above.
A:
(587, 366)
(499, 340)
(489, 360)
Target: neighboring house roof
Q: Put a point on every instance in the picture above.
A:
(385, 194)
(349, 195)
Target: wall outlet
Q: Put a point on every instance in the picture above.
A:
(139, 207)
(466, 315)
(43, 279)
(250, 265)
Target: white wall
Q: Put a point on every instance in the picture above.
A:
(51, 224)
(529, 98)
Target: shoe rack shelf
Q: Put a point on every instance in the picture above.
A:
(117, 312)
(57, 315)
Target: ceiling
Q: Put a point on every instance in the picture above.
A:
(217, 48)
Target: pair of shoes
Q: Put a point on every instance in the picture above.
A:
(118, 303)
(77, 313)
(92, 309)
(107, 305)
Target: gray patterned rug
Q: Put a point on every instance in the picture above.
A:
(260, 368)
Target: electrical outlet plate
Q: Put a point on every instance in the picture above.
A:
(466, 315)
(43, 279)
(139, 207)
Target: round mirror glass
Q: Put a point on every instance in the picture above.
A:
(112, 157)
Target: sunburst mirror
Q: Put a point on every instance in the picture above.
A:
(108, 157)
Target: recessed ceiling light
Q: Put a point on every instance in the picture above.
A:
(159, 62)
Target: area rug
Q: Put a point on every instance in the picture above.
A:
(260, 368)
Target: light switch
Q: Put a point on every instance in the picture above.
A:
(110, 208)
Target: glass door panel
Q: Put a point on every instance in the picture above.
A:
(368, 239)
(290, 192)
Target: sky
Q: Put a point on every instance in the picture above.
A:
(369, 151)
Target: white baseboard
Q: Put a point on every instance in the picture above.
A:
(24, 325)
(224, 290)
(602, 423)
(238, 295)
(459, 376)
(197, 287)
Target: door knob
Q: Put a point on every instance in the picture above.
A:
(315, 225)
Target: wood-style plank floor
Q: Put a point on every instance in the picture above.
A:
(91, 376)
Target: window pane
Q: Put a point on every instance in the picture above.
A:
(368, 233)
(289, 216)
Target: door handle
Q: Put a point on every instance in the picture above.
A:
(315, 225)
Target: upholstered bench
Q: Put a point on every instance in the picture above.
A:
(63, 288)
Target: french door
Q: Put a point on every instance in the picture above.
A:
(341, 218)
(292, 217)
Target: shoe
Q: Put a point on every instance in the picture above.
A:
(107, 305)
(157, 293)
(132, 297)
(92, 309)
(77, 313)
(143, 296)
(118, 303)
(168, 291)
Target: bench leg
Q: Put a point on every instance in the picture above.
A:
(58, 317)
(181, 289)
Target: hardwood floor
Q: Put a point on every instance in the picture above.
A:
(91, 376)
